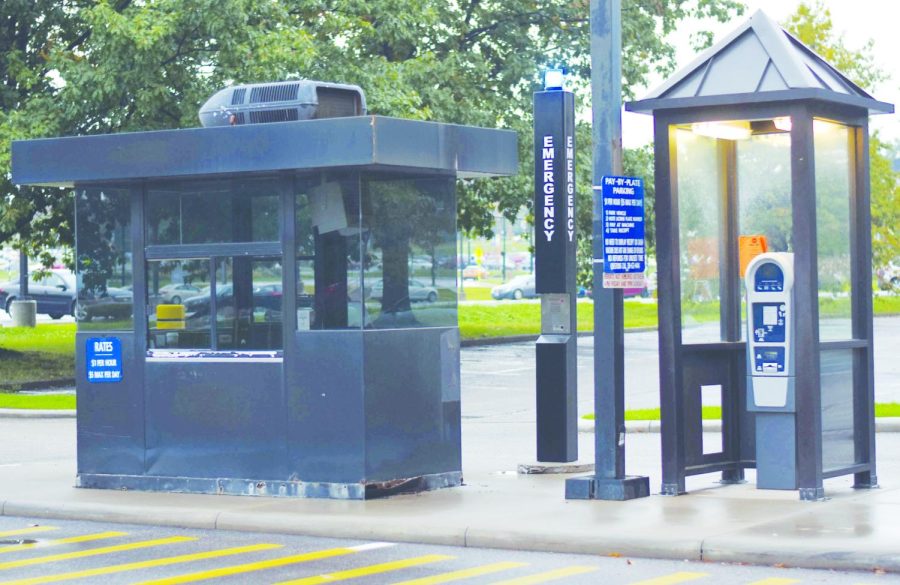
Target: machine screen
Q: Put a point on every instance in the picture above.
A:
(769, 360)
(768, 322)
(769, 278)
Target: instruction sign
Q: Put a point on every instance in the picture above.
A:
(103, 359)
(624, 246)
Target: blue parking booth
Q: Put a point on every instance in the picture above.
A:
(267, 305)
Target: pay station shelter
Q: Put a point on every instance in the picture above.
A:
(269, 308)
(760, 146)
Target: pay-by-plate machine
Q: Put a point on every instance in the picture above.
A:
(770, 364)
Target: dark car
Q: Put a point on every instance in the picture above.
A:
(111, 302)
(520, 287)
(54, 293)
(266, 300)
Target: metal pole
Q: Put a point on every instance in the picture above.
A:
(503, 253)
(23, 276)
(609, 481)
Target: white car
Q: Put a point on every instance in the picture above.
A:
(417, 291)
(175, 293)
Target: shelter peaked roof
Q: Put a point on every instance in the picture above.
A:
(759, 58)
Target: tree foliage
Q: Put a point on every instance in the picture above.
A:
(72, 67)
(813, 25)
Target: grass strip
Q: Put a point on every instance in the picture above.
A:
(38, 401)
(524, 318)
(882, 410)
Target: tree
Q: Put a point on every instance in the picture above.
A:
(89, 67)
(812, 24)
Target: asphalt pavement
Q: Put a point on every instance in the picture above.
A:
(512, 366)
(60, 551)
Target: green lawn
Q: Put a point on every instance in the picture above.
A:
(518, 318)
(38, 401)
(46, 352)
(882, 410)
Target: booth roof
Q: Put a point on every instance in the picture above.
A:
(367, 142)
(758, 62)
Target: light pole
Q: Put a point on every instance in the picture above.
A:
(609, 481)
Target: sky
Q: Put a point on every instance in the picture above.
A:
(857, 20)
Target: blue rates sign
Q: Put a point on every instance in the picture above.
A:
(624, 250)
(103, 359)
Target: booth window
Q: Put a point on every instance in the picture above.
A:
(103, 264)
(222, 211)
(411, 280)
(329, 254)
(240, 309)
(378, 252)
(214, 265)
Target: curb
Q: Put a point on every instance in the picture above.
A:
(533, 337)
(882, 425)
(40, 385)
(29, 413)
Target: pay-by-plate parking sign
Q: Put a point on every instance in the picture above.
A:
(624, 247)
(103, 359)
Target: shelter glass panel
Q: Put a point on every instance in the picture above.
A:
(221, 211)
(103, 259)
(329, 255)
(409, 243)
(833, 199)
(838, 446)
(700, 201)
(764, 194)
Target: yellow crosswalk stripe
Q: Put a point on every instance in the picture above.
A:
(548, 576)
(366, 571)
(144, 564)
(680, 577)
(95, 551)
(29, 530)
(258, 566)
(776, 581)
(57, 541)
(463, 574)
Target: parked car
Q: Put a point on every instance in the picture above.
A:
(627, 292)
(888, 276)
(267, 300)
(113, 303)
(54, 293)
(175, 293)
(417, 291)
(475, 272)
(520, 287)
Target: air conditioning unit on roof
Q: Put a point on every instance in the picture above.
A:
(282, 101)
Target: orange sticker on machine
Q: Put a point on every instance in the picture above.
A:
(749, 248)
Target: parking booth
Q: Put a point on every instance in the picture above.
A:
(269, 308)
(764, 242)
